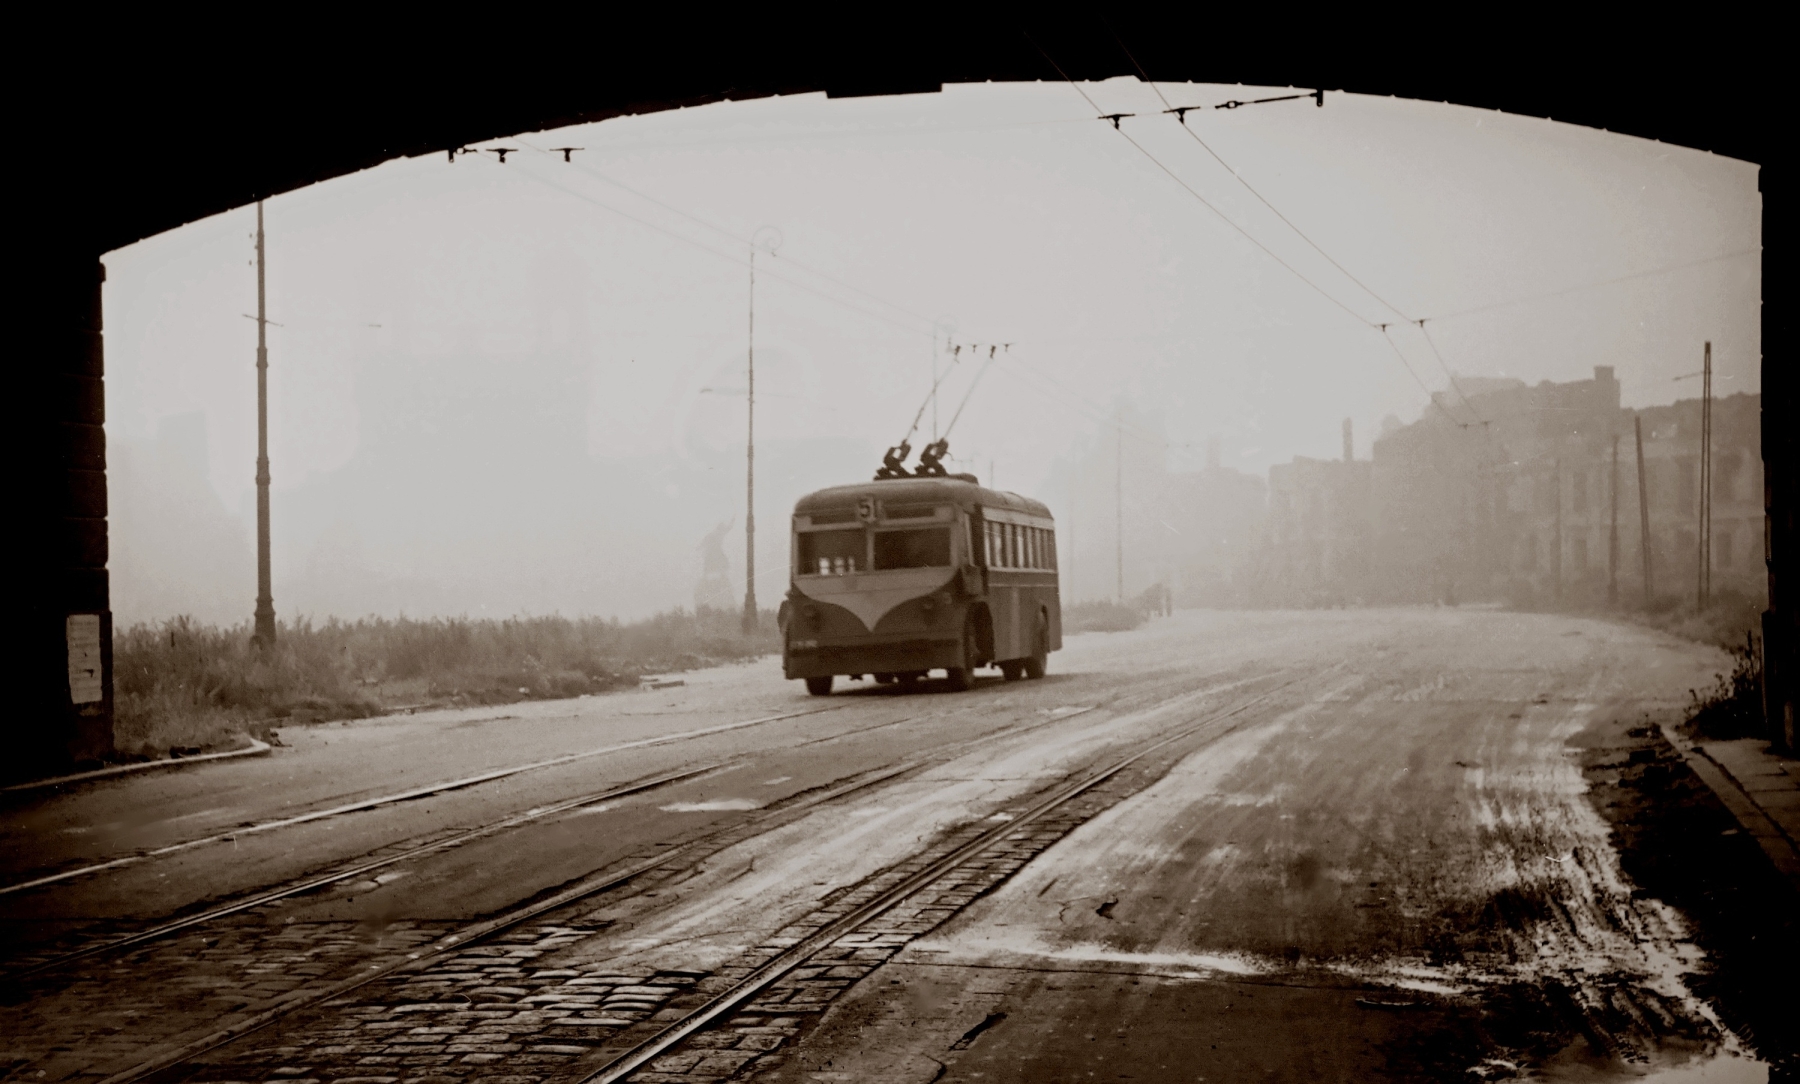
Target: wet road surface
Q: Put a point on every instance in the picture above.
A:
(1370, 849)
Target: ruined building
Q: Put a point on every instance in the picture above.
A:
(1526, 495)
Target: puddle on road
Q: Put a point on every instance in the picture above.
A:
(722, 805)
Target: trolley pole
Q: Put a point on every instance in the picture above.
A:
(264, 635)
(750, 465)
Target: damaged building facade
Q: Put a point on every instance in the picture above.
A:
(1524, 495)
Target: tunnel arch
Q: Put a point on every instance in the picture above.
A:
(135, 128)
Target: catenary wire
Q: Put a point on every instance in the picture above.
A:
(1181, 116)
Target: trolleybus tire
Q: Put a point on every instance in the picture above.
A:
(819, 686)
(960, 678)
(1012, 669)
(1040, 651)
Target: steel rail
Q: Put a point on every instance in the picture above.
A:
(590, 887)
(422, 958)
(402, 796)
(426, 849)
(316, 883)
(798, 954)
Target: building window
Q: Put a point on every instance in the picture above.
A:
(1580, 502)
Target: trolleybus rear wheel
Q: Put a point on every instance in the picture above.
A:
(1040, 650)
(1012, 669)
(819, 686)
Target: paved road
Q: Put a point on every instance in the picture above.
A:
(1372, 851)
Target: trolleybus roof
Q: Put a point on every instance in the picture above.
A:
(919, 490)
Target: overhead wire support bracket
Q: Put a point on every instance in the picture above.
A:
(1318, 97)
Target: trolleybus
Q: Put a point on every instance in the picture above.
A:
(901, 576)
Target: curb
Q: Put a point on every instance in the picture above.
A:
(257, 749)
(1768, 835)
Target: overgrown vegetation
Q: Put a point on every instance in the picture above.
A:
(1732, 708)
(1725, 620)
(1102, 615)
(182, 685)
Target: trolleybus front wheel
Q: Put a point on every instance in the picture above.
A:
(961, 678)
(1012, 669)
(819, 686)
(1040, 650)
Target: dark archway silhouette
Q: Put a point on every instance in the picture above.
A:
(127, 130)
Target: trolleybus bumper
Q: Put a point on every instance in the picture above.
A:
(891, 658)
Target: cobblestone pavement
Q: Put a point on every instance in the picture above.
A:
(550, 1002)
(192, 984)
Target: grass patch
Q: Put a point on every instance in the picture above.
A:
(181, 686)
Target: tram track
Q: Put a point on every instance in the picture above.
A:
(604, 882)
(589, 888)
(409, 795)
(306, 886)
(741, 993)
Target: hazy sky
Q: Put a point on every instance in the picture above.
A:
(505, 387)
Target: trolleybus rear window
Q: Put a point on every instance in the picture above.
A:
(926, 547)
(831, 553)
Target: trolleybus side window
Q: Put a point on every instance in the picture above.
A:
(832, 553)
(925, 547)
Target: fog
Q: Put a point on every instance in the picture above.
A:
(518, 387)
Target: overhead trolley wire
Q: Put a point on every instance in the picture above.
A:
(1115, 118)
(741, 262)
(1663, 270)
(722, 231)
(1181, 116)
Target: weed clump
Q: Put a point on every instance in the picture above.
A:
(1733, 707)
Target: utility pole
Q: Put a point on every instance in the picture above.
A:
(1643, 514)
(750, 463)
(1703, 580)
(1612, 536)
(1119, 499)
(265, 599)
(1556, 545)
(770, 238)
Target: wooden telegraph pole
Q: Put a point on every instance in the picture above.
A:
(1612, 536)
(1703, 580)
(264, 635)
(1643, 514)
(749, 623)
